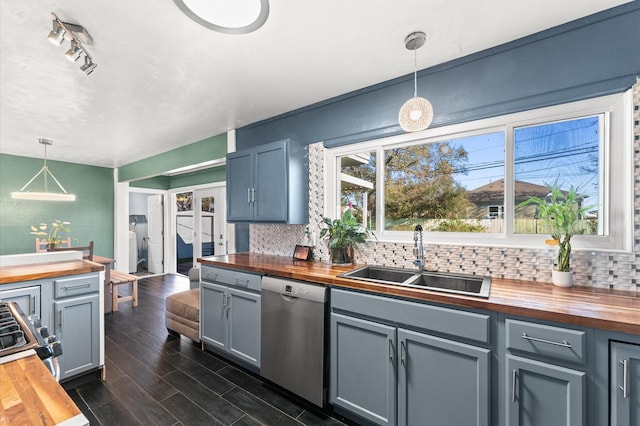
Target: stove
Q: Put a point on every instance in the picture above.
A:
(18, 334)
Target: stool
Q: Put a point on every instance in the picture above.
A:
(182, 314)
(118, 278)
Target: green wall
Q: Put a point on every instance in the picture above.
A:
(91, 215)
(208, 149)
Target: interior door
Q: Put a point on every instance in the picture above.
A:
(155, 238)
(210, 223)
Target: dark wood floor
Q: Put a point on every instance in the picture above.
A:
(157, 379)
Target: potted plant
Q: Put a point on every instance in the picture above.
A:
(53, 235)
(344, 235)
(561, 211)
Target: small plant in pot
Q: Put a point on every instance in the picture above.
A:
(54, 234)
(344, 235)
(561, 211)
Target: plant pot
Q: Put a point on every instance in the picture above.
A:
(562, 279)
(341, 255)
(51, 247)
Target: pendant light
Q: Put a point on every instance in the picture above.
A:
(417, 113)
(45, 172)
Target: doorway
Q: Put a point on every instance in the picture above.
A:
(146, 233)
(200, 225)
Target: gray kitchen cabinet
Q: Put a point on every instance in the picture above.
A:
(543, 394)
(77, 327)
(268, 183)
(545, 374)
(386, 371)
(363, 370)
(442, 382)
(76, 319)
(230, 313)
(28, 298)
(624, 382)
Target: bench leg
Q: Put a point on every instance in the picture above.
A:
(134, 293)
(114, 298)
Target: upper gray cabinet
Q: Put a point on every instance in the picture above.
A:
(269, 183)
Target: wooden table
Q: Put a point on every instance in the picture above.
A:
(30, 395)
(108, 264)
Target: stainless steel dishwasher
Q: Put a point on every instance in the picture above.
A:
(292, 343)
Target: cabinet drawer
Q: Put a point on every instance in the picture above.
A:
(231, 277)
(458, 323)
(75, 286)
(545, 340)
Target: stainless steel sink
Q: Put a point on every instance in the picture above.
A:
(473, 285)
(380, 274)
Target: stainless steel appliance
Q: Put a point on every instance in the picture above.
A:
(18, 334)
(292, 342)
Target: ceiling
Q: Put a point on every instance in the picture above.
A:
(163, 81)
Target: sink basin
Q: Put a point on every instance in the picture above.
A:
(474, 285)
(380, 274)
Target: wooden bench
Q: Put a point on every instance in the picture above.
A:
(118, 278)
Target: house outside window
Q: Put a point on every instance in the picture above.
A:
(464, 183)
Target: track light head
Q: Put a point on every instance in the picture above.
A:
(74, 53)
(88, 66)
(56, 36)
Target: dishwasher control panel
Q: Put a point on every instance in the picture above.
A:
(293, 288)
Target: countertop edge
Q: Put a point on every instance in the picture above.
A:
(30, 272)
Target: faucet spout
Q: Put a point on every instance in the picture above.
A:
(418, 247)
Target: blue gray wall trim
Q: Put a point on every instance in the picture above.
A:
(592, 56)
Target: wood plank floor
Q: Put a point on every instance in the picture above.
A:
(157, 379)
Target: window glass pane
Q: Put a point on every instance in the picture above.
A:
(357, 186)
(565, 153)
(455, 185)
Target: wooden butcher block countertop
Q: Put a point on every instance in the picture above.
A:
(612, 310)
(30, 395)
(37, 271)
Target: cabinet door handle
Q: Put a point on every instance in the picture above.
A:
(390, 350)
(240, 281)
(60, 322)
(253, 195)
(228, 304)
(224, 302)
(514, 377)
(32, 305)
(73, 287)
(625, 375)
(402, 351)
(249, 195)
(564, 343)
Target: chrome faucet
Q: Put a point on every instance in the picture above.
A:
(418, 247)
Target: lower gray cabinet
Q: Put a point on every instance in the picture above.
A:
(435, 381)
(624, 392)
(442, 382)
(230, 321)
(28, 298)
(77, 327)
(363, 363)
(543, 394)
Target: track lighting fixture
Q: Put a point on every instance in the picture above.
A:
(79, 37)
(74, 53)
(56, 36)
(88, 66)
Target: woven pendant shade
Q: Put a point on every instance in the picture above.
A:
(416, 114)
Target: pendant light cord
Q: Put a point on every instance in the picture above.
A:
(415, 72)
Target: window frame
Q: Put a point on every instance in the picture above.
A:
(617, 131)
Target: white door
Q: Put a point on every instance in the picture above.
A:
(155, 238)
(210, 236)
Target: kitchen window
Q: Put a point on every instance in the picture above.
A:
(463, 183)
